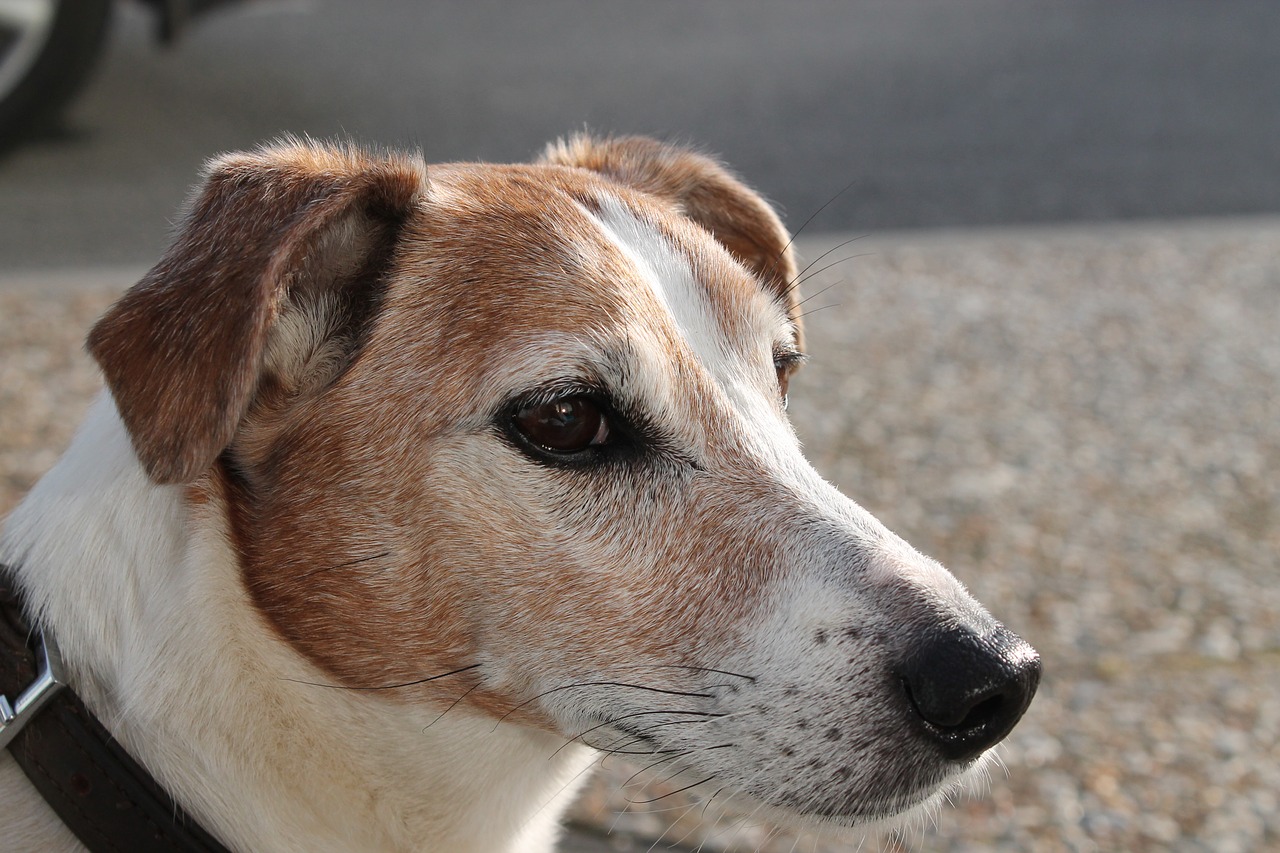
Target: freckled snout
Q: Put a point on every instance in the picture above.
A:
(969, 690)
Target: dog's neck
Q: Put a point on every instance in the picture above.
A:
(144, 595)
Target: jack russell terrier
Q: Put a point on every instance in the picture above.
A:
(416, 489)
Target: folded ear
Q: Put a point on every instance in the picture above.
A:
(704, 190)
(292, 224)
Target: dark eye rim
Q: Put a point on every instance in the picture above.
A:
(786, 363)
(620, 434)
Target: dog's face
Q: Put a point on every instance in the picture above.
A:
(526, 425)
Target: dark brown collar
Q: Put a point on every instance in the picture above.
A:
(103, 796)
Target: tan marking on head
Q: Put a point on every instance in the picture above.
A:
(386, 529)
(502, 261)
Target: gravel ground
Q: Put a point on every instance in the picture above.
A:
(1085, 426)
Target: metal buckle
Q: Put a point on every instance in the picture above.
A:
(50, 678)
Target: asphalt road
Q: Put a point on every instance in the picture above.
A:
(963, 112)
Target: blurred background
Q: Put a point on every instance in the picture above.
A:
(940, 112)
(1053, 364)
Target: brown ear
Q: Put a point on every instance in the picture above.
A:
(182, 351)
(704, 190)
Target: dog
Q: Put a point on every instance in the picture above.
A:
(413, 489)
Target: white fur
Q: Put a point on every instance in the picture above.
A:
(670, 279)
(740, 370)
(144, 593)
(792, 678)
(147, 609)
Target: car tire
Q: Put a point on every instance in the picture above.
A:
(47, 49)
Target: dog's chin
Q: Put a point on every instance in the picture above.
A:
(899, 815)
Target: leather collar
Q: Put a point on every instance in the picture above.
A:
(103, 796)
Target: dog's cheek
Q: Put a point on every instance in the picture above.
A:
(537, 577)
(606, 579)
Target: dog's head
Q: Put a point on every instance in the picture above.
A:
(526, 425)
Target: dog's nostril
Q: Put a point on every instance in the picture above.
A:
(945, 712)
(986, 711)
(969, 690)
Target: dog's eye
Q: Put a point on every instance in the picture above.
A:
(785, 364)
(567, 425)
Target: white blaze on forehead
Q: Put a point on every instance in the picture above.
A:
(741, 367)
(671, 279)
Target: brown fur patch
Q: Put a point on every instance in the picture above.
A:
(385, 526)
(182, 350)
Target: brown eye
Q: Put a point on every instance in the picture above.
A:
(785, 365)
(786, 362)
(567, 425)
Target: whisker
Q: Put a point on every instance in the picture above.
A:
(821, 270)
(465, 694)
(610, 750)
(800, 276)
(690, 667)
(707, 804)
(817, 293)
(619, 746)
(628, 717)
(636, 751)
(774, 267)
(572, 781)
(387, 686)
(680, 771)
(820, 308)
(685, 808)
(670, 826)
(746, 819)
(649, 767)
(684, 722)
(672, 793)
(604, 684)
(674, 757)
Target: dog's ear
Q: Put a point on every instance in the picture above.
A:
(705, 192)
(292, 224)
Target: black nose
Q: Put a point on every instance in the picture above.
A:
(971, 690)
